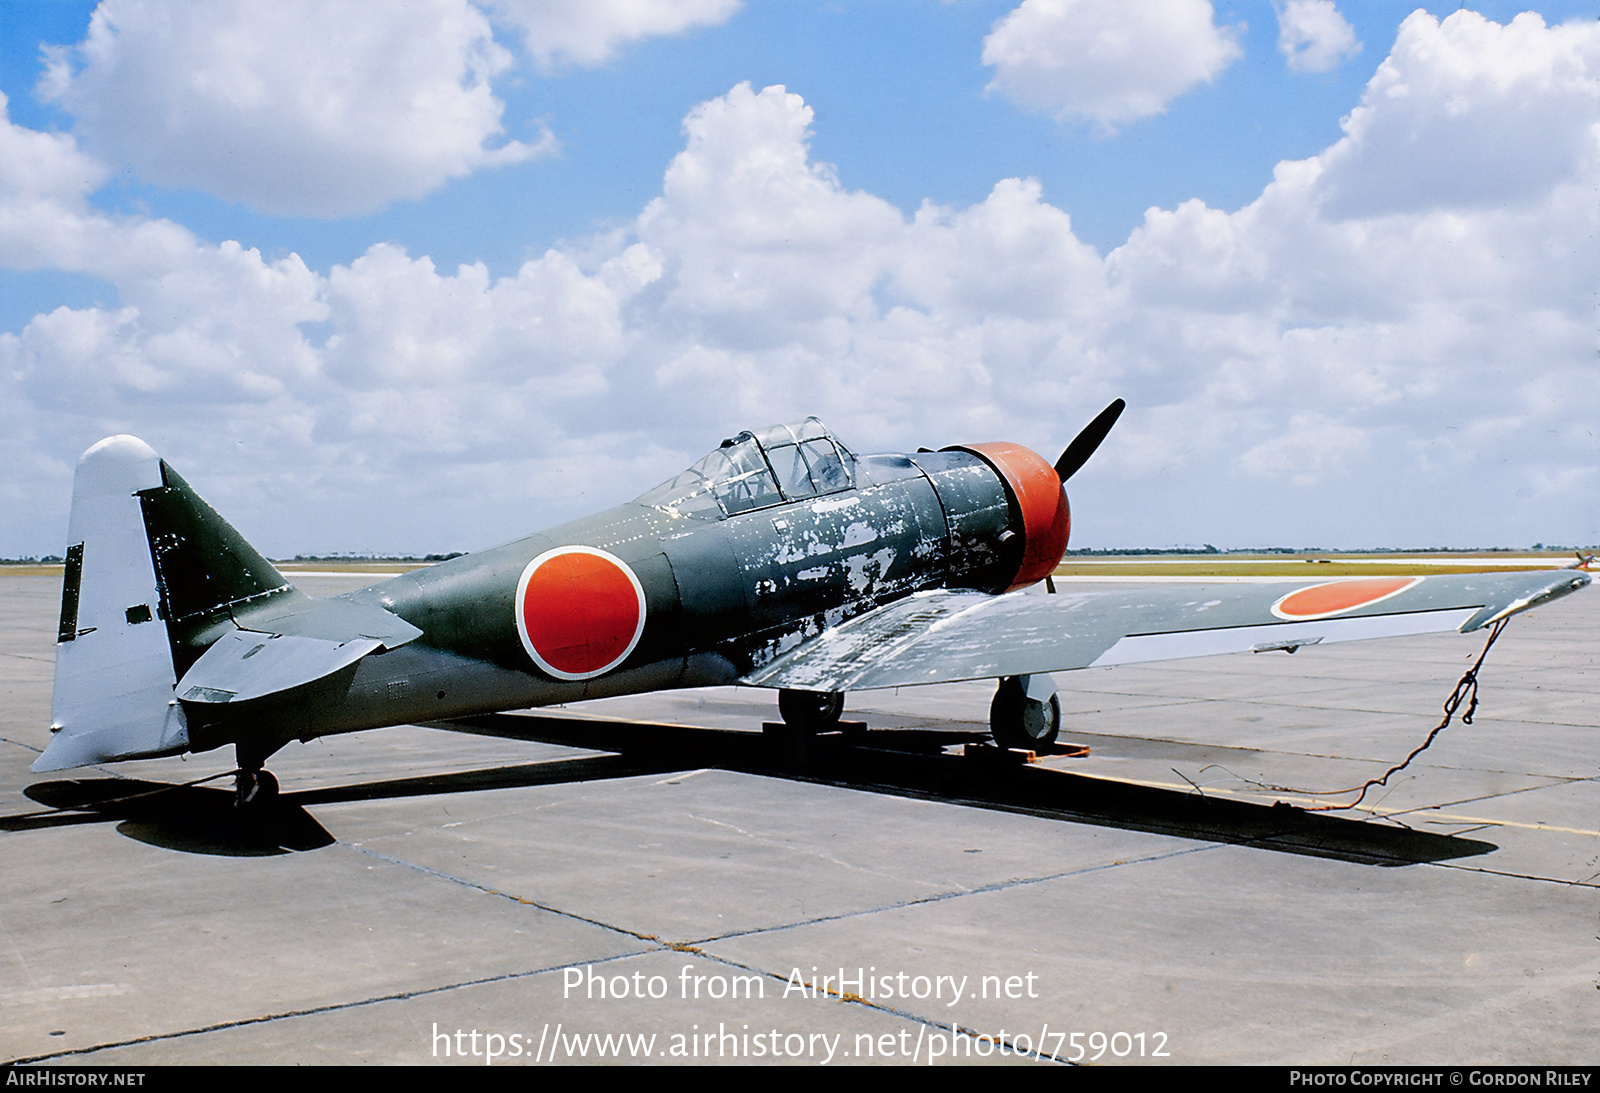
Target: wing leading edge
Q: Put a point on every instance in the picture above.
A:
(944, 636)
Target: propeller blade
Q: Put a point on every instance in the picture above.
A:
(1084, 444)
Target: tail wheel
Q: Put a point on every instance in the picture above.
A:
(810, 709)
(1018, 721)
(254, 788)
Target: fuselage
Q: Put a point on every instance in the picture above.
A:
(696, 583)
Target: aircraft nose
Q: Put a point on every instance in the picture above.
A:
(1037, 492)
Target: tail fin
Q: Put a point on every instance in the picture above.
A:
(150, 568)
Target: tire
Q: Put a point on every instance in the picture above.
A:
(255, 789)
(1017, 721)
(810, 709)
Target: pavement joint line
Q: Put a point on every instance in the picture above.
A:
(1169, 740)
(998, 886)
(1378, 812)
(336, 1007)
(486, 890)
(1549, 779)
(1587, 882)
(1482, 822)
(1555, 782)
(873, 1004)
(939, 897)
(422, 992)
(1480, 719)
(660, 947)
(310, 1011)
(905, 1015)
(856, 999)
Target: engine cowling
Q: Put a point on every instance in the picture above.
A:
(1039, 509)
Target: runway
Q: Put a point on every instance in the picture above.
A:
(434, 896)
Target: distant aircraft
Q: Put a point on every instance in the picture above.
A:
(780, 560)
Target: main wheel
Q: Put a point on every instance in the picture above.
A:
(1018, 721)
(810, 709)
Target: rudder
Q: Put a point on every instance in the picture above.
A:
(150, 568)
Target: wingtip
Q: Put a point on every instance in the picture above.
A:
(1566, 582)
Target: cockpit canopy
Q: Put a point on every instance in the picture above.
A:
(754, 470)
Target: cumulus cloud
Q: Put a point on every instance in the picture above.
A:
(588, 32)
(1310, 446)
(194, 293)
(45, 180)
(43, 166)
(1106, 61)
(745, 219)
(1314, 37)
(1421, 301)
(1343, 331)
(296, 108)
(1469, 113)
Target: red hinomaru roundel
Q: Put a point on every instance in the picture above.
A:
(580, 611)
(1336, 597)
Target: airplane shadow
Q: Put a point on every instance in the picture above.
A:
(914, 763)
(204, 820)
(900, 762)
(193, 819)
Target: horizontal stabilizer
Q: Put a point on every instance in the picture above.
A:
(288, 642)
(336, 620)
(165, 608)
(248, 664)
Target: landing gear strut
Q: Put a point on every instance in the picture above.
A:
(1025, 712)
(812, 710)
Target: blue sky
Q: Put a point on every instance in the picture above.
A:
(898, 90)
(1305, 404)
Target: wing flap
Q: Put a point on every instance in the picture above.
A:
(944, 636)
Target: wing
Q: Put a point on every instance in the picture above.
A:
(943, 636)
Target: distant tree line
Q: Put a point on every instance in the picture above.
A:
(1084, 552)
(376, 557)
(1139, 552)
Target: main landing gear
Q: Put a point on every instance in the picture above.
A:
(813, 711)
(1025, 713)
